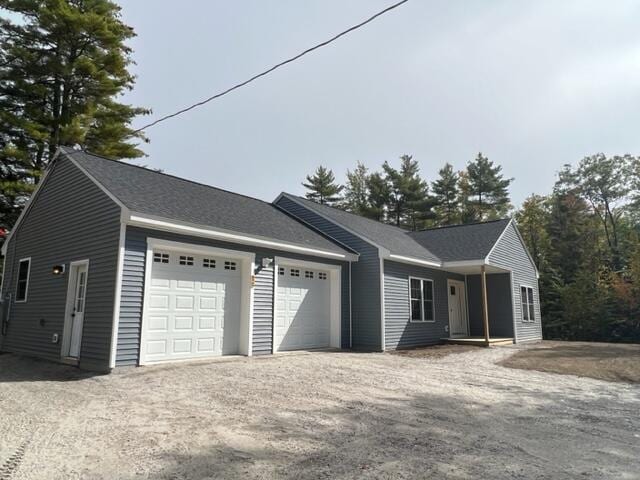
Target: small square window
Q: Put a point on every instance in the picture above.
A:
(322, 275)
(208, 263)
(229, 265)
(295, 272)
(161, 258)
(186, 260)
(280, 270)
(308, 274)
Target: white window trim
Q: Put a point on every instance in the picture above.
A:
(26, 290)
(433, 300)
(531, 320)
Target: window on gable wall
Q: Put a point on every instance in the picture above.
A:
(421, 300)
(23, 280)
(528, 309)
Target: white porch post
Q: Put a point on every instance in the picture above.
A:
(485, 307)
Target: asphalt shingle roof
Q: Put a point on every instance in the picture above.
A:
(462, 242)
(149, 192)
(396, 240)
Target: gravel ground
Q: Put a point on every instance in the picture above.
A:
(318, 415)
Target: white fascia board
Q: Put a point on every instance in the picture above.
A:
(465, 263)
(413, 261)
(147, 221)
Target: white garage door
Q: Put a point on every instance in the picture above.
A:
(193, 306)
(303, 308)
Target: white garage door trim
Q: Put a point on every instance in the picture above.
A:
(335, 279)
(247, 262)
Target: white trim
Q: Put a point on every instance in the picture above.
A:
(412, 260)
(65, 345)
(433, 300)
(513, 308)
(246, 294)
(464, 263)
(118, 296)
(26, 290)
(173, 226)
(350, 309)
(534, 303)
(4, 275)
(383, 323)
(466, 303)
(335, 297)
(451, 281)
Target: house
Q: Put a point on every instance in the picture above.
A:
(111, 264)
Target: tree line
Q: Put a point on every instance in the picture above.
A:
(584, 236)
(400, 196)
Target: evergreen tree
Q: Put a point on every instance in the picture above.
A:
(409, 203)
(322, 187)
(489, 195)
(532, 220)
(379, 196)
(63, 65)
(446, 196)
(356, 191)
(468, 213)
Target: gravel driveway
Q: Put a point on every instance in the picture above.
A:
(318, 415)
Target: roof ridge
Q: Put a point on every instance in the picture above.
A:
(442, 227)
(114, 160)
(377, 222)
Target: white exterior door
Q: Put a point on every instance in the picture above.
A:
(457, 309)
(77, 308)
(303, 308)
(192, 306)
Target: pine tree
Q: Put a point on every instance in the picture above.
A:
(379, 196)
(356, 191)
(322, 187)
(446, 196)
(63, 66)
(409, 203)
(488, 188)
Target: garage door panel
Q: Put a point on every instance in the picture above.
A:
(193, 310)
(303, 309)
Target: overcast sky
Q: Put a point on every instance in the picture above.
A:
(533, 85)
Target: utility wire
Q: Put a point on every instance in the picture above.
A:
(266, 72)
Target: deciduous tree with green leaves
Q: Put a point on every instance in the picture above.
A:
(63, 66)
(322, 187)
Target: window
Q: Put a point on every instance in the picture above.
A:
(229, 265)
(308, 274)
(295, 272)
(23, 280)
(161, 258)
(421, 300)
(528, 310)
(322, 275)
(452, 290)
(280, 270)
(208, 263)
(185, 260)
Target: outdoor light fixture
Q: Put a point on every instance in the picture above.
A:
(267, 262)
(58, 269)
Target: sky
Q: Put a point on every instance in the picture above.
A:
(532, 85)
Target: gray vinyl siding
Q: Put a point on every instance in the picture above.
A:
(510, 253)
(499, 304)
(69, 219)
(400, 332)
(133, 291)
(365, 286)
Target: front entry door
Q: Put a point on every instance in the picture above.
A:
(457, 309)
(78, 290)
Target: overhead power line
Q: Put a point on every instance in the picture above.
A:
(269, 70)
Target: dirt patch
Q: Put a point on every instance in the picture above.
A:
(434, 351)
(612, 362)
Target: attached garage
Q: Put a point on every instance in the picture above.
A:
(307, 312)
(196, 302)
